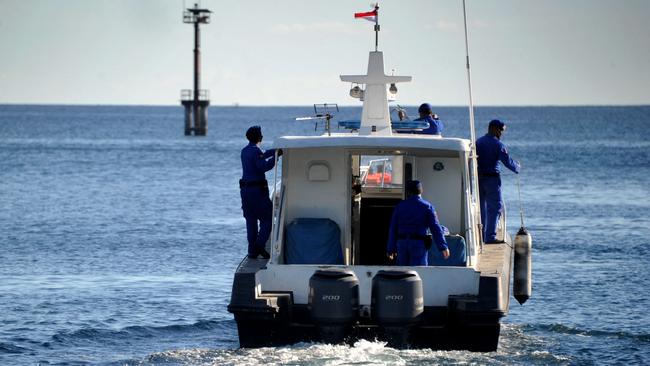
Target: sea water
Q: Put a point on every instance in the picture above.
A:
(119, 237)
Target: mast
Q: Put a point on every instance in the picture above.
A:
(375, 117)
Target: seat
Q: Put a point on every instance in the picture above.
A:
(313, 241)
(457, 252)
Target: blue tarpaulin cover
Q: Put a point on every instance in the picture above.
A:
(397, 125)
(457, 254)
(313, 241)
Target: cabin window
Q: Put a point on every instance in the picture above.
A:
(383, 171)
(318, 171)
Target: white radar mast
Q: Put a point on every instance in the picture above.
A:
(375, 118)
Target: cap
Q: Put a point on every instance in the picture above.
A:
(424, 108)
(497, 123)
(254, 134)
(413, 186)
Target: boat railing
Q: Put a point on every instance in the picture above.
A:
(188, 95)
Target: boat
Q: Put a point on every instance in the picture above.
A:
(328, 278)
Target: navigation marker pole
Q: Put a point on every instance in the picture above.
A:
(196, 100)
(471, 122)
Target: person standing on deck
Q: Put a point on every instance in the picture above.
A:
(254, 190)
(490, 151)
(407, 234)
(426, 114)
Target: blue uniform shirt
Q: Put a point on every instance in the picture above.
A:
(255, 162)
(435, 126)
(490, 151)
(414, 215)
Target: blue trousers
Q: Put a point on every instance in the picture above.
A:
(411, 253)
(491, 206)
(257, 207)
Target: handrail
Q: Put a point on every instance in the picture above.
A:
(188, 95)
(274, 240)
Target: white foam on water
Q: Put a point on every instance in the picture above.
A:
(366, 353)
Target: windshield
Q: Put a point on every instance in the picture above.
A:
(381, 171)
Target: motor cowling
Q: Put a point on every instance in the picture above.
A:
(397, 303)
(522, 283)
(333, 302)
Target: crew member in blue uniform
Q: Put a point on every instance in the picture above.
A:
(254, 190)
(490, 151)
(407, 235)
(426, 114)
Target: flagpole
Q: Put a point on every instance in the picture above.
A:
(376, 27)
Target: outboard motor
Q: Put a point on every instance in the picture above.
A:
(522, 286)
(397, 304)
(333, 303)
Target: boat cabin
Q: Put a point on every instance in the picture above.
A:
(351, 185)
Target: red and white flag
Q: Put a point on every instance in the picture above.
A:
(369, 15)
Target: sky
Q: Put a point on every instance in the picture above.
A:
(291, 52)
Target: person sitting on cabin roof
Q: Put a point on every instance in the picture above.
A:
(254, 190)
(427, 115)
(407, 234)
(490, 151)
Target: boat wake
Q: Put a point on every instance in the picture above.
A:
(192, 344)
(515, 344)
(361, 353)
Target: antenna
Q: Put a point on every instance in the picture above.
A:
(322, 111)
(471, 122)
(469, 83)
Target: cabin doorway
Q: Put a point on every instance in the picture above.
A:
(378, 186)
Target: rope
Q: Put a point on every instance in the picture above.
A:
(521, 209)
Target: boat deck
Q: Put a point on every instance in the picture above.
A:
(492, 260)
(495, 261)
(493, 257)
